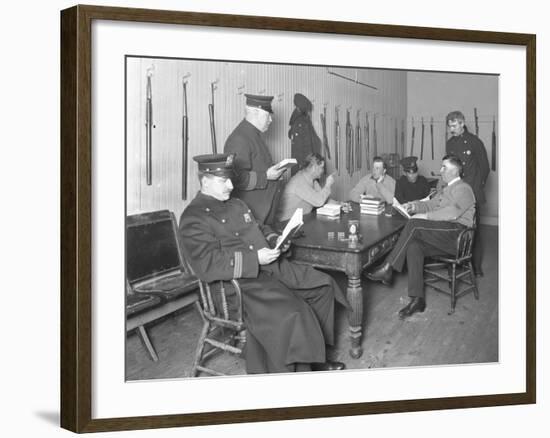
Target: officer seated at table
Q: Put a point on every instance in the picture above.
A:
(411, 186)
(288, 308)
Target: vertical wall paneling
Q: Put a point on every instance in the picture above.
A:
(389, 103)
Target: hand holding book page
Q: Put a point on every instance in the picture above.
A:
(293, 225)
(401, 208)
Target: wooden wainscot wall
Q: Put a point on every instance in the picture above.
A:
(388, 103)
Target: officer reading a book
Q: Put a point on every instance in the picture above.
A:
(257, 178)
(288, 308)
(432, 230)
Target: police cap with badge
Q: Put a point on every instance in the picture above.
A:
(259, 101)
(409, 164)
(216, 164)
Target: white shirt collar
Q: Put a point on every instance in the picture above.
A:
(453, 181)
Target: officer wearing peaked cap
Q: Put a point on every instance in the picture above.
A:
(288, 308)
(411, 186)
(257, 180)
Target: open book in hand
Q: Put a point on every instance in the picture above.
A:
(400, 208)
(287, 163)
(293, 225)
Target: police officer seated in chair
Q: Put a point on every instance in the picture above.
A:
(411, 186)
(288, 308)
(433, 230)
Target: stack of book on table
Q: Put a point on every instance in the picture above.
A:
(330, 210)
(371, 205)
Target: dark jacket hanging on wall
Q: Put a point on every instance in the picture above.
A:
(304, 139)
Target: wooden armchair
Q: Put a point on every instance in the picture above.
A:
(454, 270)
(223, 329)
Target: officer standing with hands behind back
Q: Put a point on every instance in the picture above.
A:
(475, 164)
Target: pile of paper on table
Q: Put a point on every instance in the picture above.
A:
(371, 205)
(329, 209)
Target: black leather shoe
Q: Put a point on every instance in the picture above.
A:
(416, 304)
(383, 274)
(328, 366)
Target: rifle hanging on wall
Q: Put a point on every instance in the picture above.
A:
(494, 147)
(185, 143)
(358, 154)
(149, 131)
(349, 134)
(402, 137)
(374, 139)
(412, 136)
(422, 140)
(326, 146)
(212, 124)
(336, 140)
(367, 139)
(432, 135)
(395, 137)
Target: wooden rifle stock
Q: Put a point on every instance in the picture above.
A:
(367, 137)
(422, 140)
(326, 146)
(336, 141)
(432, 135)
(412, 138)
(185, 144)
(149, 133)
(358, 155)
(494, 148)
(212, 123)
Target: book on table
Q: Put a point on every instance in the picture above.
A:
(371, 205)
(330, 209)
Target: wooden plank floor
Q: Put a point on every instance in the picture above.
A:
(470, 335)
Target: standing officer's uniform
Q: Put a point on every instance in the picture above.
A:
(288, 308)
(252, 159)
(475, 168)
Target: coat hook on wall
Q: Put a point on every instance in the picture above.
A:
(150, 70)
(240, 89)
(185, 76)
(280, 97)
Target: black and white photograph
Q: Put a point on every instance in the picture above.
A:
(287, 218)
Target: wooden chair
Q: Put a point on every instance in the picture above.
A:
(223, 329)
(454, 270)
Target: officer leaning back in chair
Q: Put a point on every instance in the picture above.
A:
(288, 308)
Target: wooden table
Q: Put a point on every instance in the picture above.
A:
(378, 236)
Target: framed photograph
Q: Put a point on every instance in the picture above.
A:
(143, 92)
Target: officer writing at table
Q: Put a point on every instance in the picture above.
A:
(288, 308)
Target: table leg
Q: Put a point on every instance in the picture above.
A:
(355, 299)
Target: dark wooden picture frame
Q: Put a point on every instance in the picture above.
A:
(76, 217)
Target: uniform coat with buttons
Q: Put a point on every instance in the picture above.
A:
(475, 164)
(252, 159)
(475, 168)
(288, 308)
